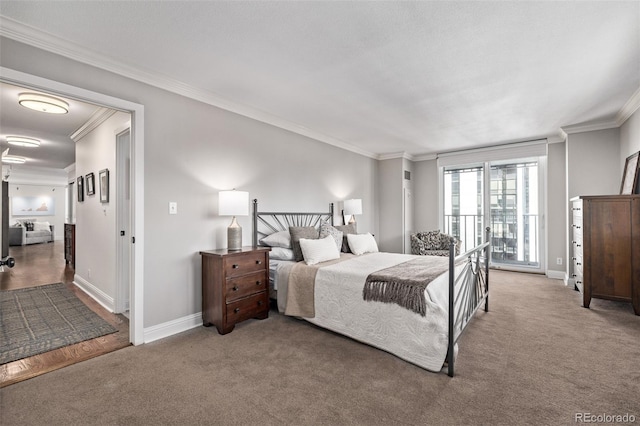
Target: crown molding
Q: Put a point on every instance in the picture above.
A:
(425, 157)
(29, 175)
(589, 127)
(394, 155)
(37, 38)
(629, 108)
(560, 137)
(97, 118)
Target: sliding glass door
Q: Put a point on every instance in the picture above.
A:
(506, 196)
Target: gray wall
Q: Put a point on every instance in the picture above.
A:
(425, 195)
(556, 221)
(193, 150)
(390, 176)
(629, 138)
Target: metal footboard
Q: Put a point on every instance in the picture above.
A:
(467, 290)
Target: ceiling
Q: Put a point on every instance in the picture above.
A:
(57, 150)
(375, 77)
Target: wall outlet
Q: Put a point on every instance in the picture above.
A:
(173, 207)
(559, 261)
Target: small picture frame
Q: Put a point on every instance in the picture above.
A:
(103, 179)
(80, 183)
(630, 175)
(91, 184)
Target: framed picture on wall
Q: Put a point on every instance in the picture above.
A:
(80, 182)
(103, 179)
(630, 174)
(91, 184)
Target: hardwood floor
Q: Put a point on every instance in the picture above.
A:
(40, 264)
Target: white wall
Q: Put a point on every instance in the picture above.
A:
(95, 259)
(593, 163)
(425, 195)
(57, 193)
(629, 138)
(194, 150)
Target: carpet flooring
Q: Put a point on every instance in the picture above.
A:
(39, 319)
(537, 358)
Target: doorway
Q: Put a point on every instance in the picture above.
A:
(136, 111)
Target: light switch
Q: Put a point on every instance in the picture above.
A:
(173, 207)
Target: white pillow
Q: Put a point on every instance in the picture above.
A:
(41, 226)
(278, 239)
(362, 243)
(281, 253)
(320, 250)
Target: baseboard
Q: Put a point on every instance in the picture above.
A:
(170, 328)
(557, 275)
(95, 293)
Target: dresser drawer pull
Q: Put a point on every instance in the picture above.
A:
(259, 302)
(578, 282)
(578, 264)
(235, 288)
(578, 245)
(236, 310)
(258, 262)
(573, 275)
(577, 227)
(235, 266)
(258, 282)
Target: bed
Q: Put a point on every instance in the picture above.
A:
(422, 329)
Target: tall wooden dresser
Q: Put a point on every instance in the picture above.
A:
(235, 286)
(606, 248)
(70, 244)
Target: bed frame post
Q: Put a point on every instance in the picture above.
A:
(452, 339)
(486, 270)
(331, 213)
(255, 222)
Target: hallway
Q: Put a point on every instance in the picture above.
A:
(41, 264)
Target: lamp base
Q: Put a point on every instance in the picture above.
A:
(352, 220)
(234, 236)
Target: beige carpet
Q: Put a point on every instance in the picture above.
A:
(537, 357)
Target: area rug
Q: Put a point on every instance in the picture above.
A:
(39, 319)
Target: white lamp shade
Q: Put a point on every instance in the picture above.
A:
(352, 207)
(233, 203)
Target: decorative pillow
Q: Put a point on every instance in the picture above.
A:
(362, 243)
(41, 226)
(278, 239)
(346, 229)
(326, 229)
(319, 250)
(298, 232)
(29, 226)
(281, 253)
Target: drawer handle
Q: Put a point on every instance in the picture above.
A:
(578, 264)
(258, 283)
(258, 262)
(578, 282)
(236, 310)
(573, 275)
(235, 288)
(577, 227)
(235, 266)
(259, 302)
(574, 258)
(578, 245)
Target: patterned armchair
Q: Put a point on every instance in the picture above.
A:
(432, 243)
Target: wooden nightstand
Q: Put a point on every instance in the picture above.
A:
(235, 286)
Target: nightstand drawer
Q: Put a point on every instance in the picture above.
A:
(248, 307)
(240, 265)
(246, 285)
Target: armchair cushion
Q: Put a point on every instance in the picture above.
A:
(432, 243)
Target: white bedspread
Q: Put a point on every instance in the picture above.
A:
(339, 307)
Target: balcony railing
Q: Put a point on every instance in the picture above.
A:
(505, 229)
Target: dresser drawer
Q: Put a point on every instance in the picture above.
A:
(248, 307)
(239, 265)
(246, 285)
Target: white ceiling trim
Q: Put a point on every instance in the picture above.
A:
(34, 37)
(394, 155)
(97, 118)
(629, 108)
(590, 127)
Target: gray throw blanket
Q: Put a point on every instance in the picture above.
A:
(404, 284)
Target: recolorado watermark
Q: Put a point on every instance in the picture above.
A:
(604, 418)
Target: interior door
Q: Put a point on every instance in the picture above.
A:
(123, 206)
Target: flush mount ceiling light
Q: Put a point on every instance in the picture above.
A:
(23, 141)
(13, 159)
(43, 103)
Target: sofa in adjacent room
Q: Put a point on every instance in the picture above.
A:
(30, 231)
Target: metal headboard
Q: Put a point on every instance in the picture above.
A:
(266, 223)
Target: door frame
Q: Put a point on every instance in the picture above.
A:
(123, 219)
(136, 111)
